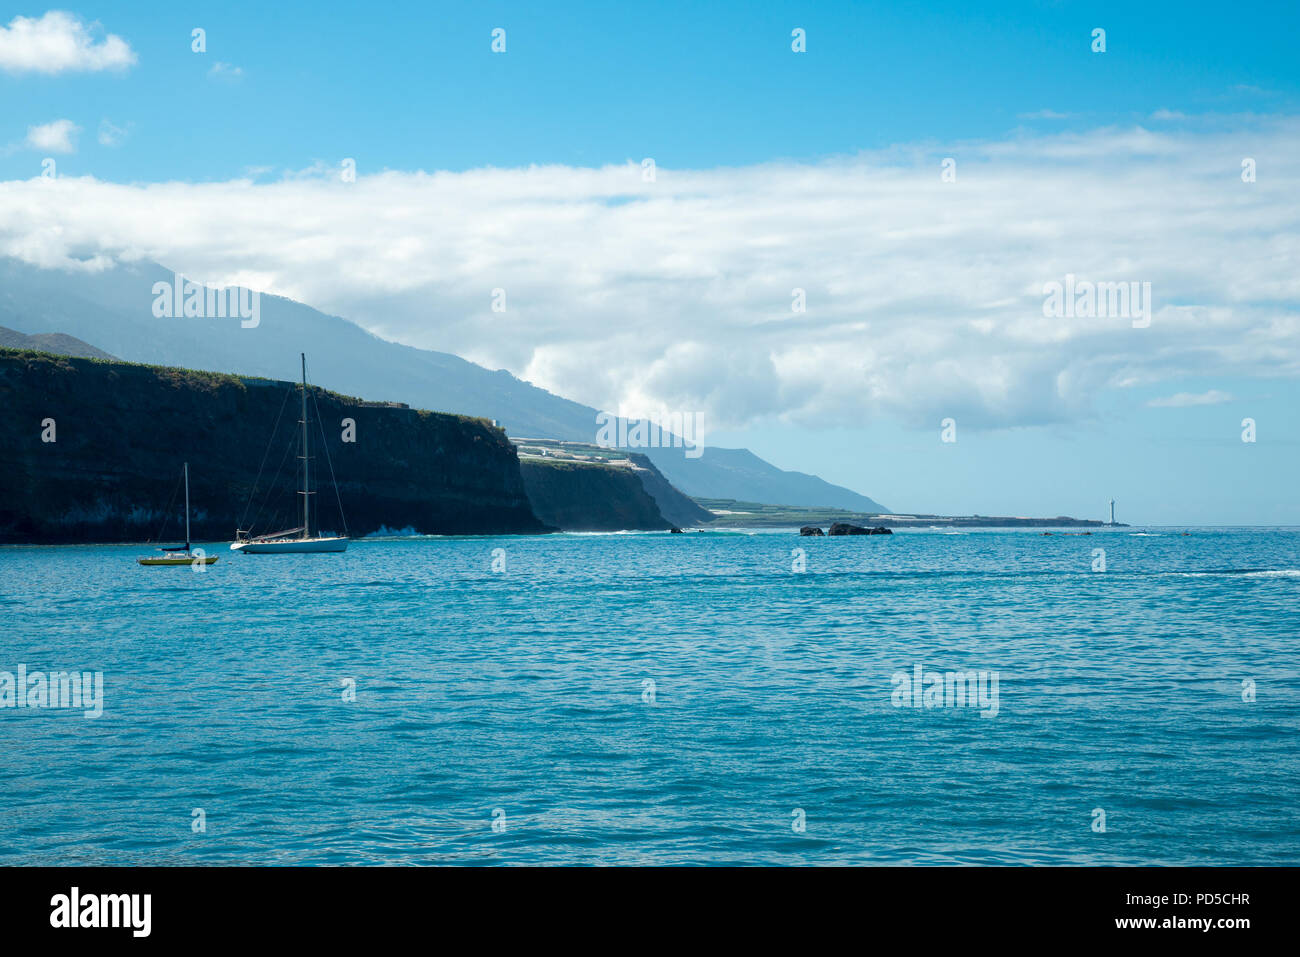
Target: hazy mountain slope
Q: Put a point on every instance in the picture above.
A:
(52, 342)
(741, 468)
(113, 311)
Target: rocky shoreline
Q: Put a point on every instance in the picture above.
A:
(733, 514)
(89, 449)
(844, 528)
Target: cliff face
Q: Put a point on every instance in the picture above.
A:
(673, 505)
(122, 431)
(582, 497)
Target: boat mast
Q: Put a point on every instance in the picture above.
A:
(306, 485)
(187, 507)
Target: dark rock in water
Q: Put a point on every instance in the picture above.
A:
(811, 530)
(674, 531)
(844, 528)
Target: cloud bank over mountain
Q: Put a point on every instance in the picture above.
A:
(924, 297)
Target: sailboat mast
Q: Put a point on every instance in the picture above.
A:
(187, 506)
(306, 463)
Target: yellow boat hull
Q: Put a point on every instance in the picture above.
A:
(178, 561)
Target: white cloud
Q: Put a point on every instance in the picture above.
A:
(60, 43)
(1183, 400)
(924, 297)
(225, 71)
(57, 137)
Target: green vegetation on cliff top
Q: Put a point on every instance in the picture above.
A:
(205, 380)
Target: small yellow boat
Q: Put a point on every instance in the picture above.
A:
(179, 560)
(181, 554)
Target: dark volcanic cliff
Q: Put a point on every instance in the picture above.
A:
(673, 505)
(586, 497)
(122, 432)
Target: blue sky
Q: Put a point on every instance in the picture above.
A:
(414, 85)
(712, 88)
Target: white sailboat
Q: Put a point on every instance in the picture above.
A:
(294, 540)
(172, 556)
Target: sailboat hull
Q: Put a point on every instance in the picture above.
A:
(283, 543)
(291, 546)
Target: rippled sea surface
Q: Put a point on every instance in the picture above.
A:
(667, 699)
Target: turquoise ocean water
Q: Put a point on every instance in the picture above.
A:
(662, 699)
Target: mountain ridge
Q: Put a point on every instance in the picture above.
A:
(113, 309)
(55, 343)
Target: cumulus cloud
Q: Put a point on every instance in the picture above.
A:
(924, 298)
(57, 137)
(60, 43)
(1183, 400)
